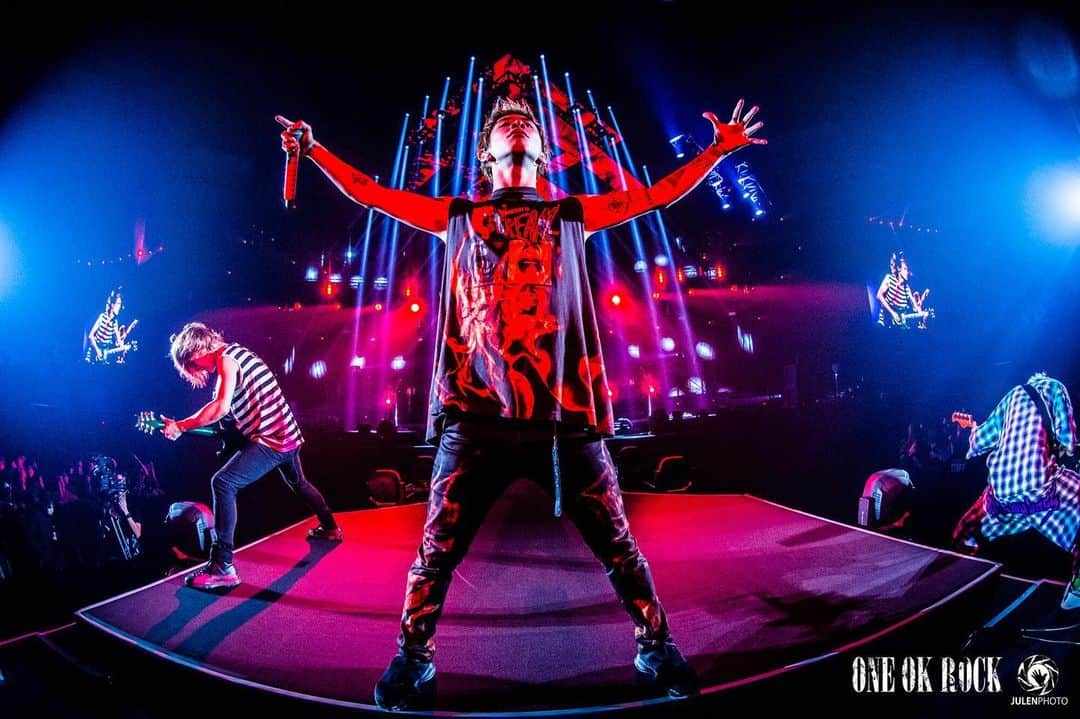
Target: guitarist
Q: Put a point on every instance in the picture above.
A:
(106, 332)
(1028, 435)
(895, 295)
(248, 393)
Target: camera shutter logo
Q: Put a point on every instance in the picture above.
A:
(1038, 675)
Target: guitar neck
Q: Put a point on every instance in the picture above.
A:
(198, 431)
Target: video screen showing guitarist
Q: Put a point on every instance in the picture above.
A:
(107, 337)
(247, 393)
(900, 306)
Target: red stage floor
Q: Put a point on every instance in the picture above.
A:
(752, 589)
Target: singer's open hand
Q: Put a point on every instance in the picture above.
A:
(736, 133)
(296, 137)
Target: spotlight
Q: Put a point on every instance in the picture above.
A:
(414, 307)
(358, 362)
(705, 350)
(398, 363)
(746, 340)
(667, 344)
(678, 143)
(641, 266)
(312, 274)
(1054, 204)
(635, 351)
(661, 260)
(616, 299)
(318, 369)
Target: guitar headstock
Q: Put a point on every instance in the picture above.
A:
(148, 422)
(966, 421)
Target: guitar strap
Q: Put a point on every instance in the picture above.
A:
(1044, 413)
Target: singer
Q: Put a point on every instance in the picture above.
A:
(519, 386)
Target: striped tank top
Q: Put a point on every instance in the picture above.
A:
(104, 329)
(258, 407)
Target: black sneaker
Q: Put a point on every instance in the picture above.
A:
(404, 683)
(666, 668)
(331, 535)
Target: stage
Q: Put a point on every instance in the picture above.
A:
(756, 594)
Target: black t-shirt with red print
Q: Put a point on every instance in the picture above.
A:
(518, 336)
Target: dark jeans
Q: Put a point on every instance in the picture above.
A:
(476, 461)
(245, 467)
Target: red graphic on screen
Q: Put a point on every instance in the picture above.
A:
(512, 78)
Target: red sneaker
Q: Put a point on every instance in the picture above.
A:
(213, 576)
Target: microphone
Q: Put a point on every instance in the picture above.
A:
(292, 165)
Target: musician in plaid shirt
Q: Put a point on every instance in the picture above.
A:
(1028, 487)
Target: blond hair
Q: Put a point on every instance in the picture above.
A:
(194, 338)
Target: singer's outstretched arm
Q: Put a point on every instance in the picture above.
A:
(429, 214)
(614, 208)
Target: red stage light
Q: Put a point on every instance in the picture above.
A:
(414, 307)
(378, 306)
(616, 299)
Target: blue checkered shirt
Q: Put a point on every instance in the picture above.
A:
(1020, 462)
(1021, 465)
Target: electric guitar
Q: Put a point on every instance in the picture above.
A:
(121, 349)
(231, 439)
(966, 421)
(908, 320)
(106, 355)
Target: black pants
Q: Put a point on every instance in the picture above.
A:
(476, 461)
(245, 467)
